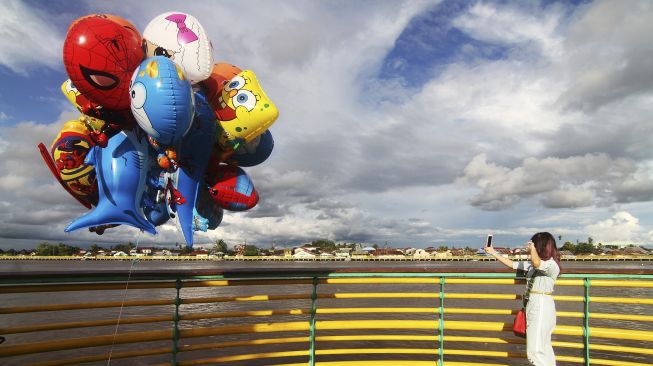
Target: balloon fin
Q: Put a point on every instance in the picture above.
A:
(105, 214)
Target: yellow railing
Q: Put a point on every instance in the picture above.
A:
(314, 318)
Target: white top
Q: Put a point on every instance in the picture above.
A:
(546, 276)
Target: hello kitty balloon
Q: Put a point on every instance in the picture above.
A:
(181, 38)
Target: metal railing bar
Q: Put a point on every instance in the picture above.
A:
(307, 273)
(201, 300)
(7, 289)
(95, 341)
(311, 328)
(277, 327)
(80, 306)
(392, 363)
(240, 314)
(253, 342)
(441, 311)
(216, 345)
(84, 324)
(103, 357)
(251, 356)
(622, 300)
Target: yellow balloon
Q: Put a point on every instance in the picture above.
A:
(244, 111)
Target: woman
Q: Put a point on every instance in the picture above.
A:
(542, 271)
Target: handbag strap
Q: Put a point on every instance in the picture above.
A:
(529, 286)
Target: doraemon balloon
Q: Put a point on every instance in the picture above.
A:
(181, 38)
(162, 100)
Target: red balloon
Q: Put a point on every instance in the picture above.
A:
(231, 188)
(100, 54)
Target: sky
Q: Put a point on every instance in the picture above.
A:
(402, 123)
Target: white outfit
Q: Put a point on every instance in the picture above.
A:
(540, 311)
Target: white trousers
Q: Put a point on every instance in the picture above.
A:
(540, 322)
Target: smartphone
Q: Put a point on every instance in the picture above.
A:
(488, 243)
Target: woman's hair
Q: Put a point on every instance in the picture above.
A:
(545, 245)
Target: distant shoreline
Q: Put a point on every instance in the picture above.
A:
(595, 258)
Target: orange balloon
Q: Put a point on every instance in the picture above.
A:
(220, 74)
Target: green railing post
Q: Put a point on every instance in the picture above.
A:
(441, 325)
(311, 350)
(586, 322)
(175, 329)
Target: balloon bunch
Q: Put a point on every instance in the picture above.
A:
(163, 131)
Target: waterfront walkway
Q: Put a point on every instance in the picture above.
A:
(615, 258)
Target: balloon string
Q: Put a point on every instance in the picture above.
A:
(124, 296)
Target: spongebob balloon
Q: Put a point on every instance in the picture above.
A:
(181, 38)
(244, 111)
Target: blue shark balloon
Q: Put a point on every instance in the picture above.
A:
(121, 170)
(194, 155)
(162, 100)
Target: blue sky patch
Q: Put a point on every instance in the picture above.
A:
(430, 42)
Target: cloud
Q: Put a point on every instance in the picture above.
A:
(514, 25)
(563, 183)
(526, 140)
(621, 228)
(27, 37)
(607, 55)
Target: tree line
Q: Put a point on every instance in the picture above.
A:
(323, 245)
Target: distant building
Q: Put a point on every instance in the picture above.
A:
(343, 252)
(200, 253)
(146, 250)
(387, 251)
(304, 253)
(635, 251)
(421, 254)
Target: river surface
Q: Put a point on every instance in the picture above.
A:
(329, 301)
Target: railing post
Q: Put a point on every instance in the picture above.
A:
(586, 322)
(311, 350)
(175, 329)
(441, 325)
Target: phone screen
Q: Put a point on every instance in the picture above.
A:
(489, 241)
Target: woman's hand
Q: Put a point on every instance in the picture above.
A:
(535, 258)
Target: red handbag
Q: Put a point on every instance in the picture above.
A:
(519, 326)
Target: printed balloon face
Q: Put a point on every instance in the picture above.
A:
(244, 111)
(69, 151)
(232, 189)
(181, 38)
(100, 56)
(162, 100)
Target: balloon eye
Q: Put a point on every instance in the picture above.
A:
(244, 98)
(138, 94)
(99, 79)
(236, 83)
(160, 51)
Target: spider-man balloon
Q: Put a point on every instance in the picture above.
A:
(100, 55)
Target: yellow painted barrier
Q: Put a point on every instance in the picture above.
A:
(227, 321)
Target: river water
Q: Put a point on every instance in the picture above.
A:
(124, 267)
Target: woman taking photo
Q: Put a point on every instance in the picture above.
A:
(542, 271)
